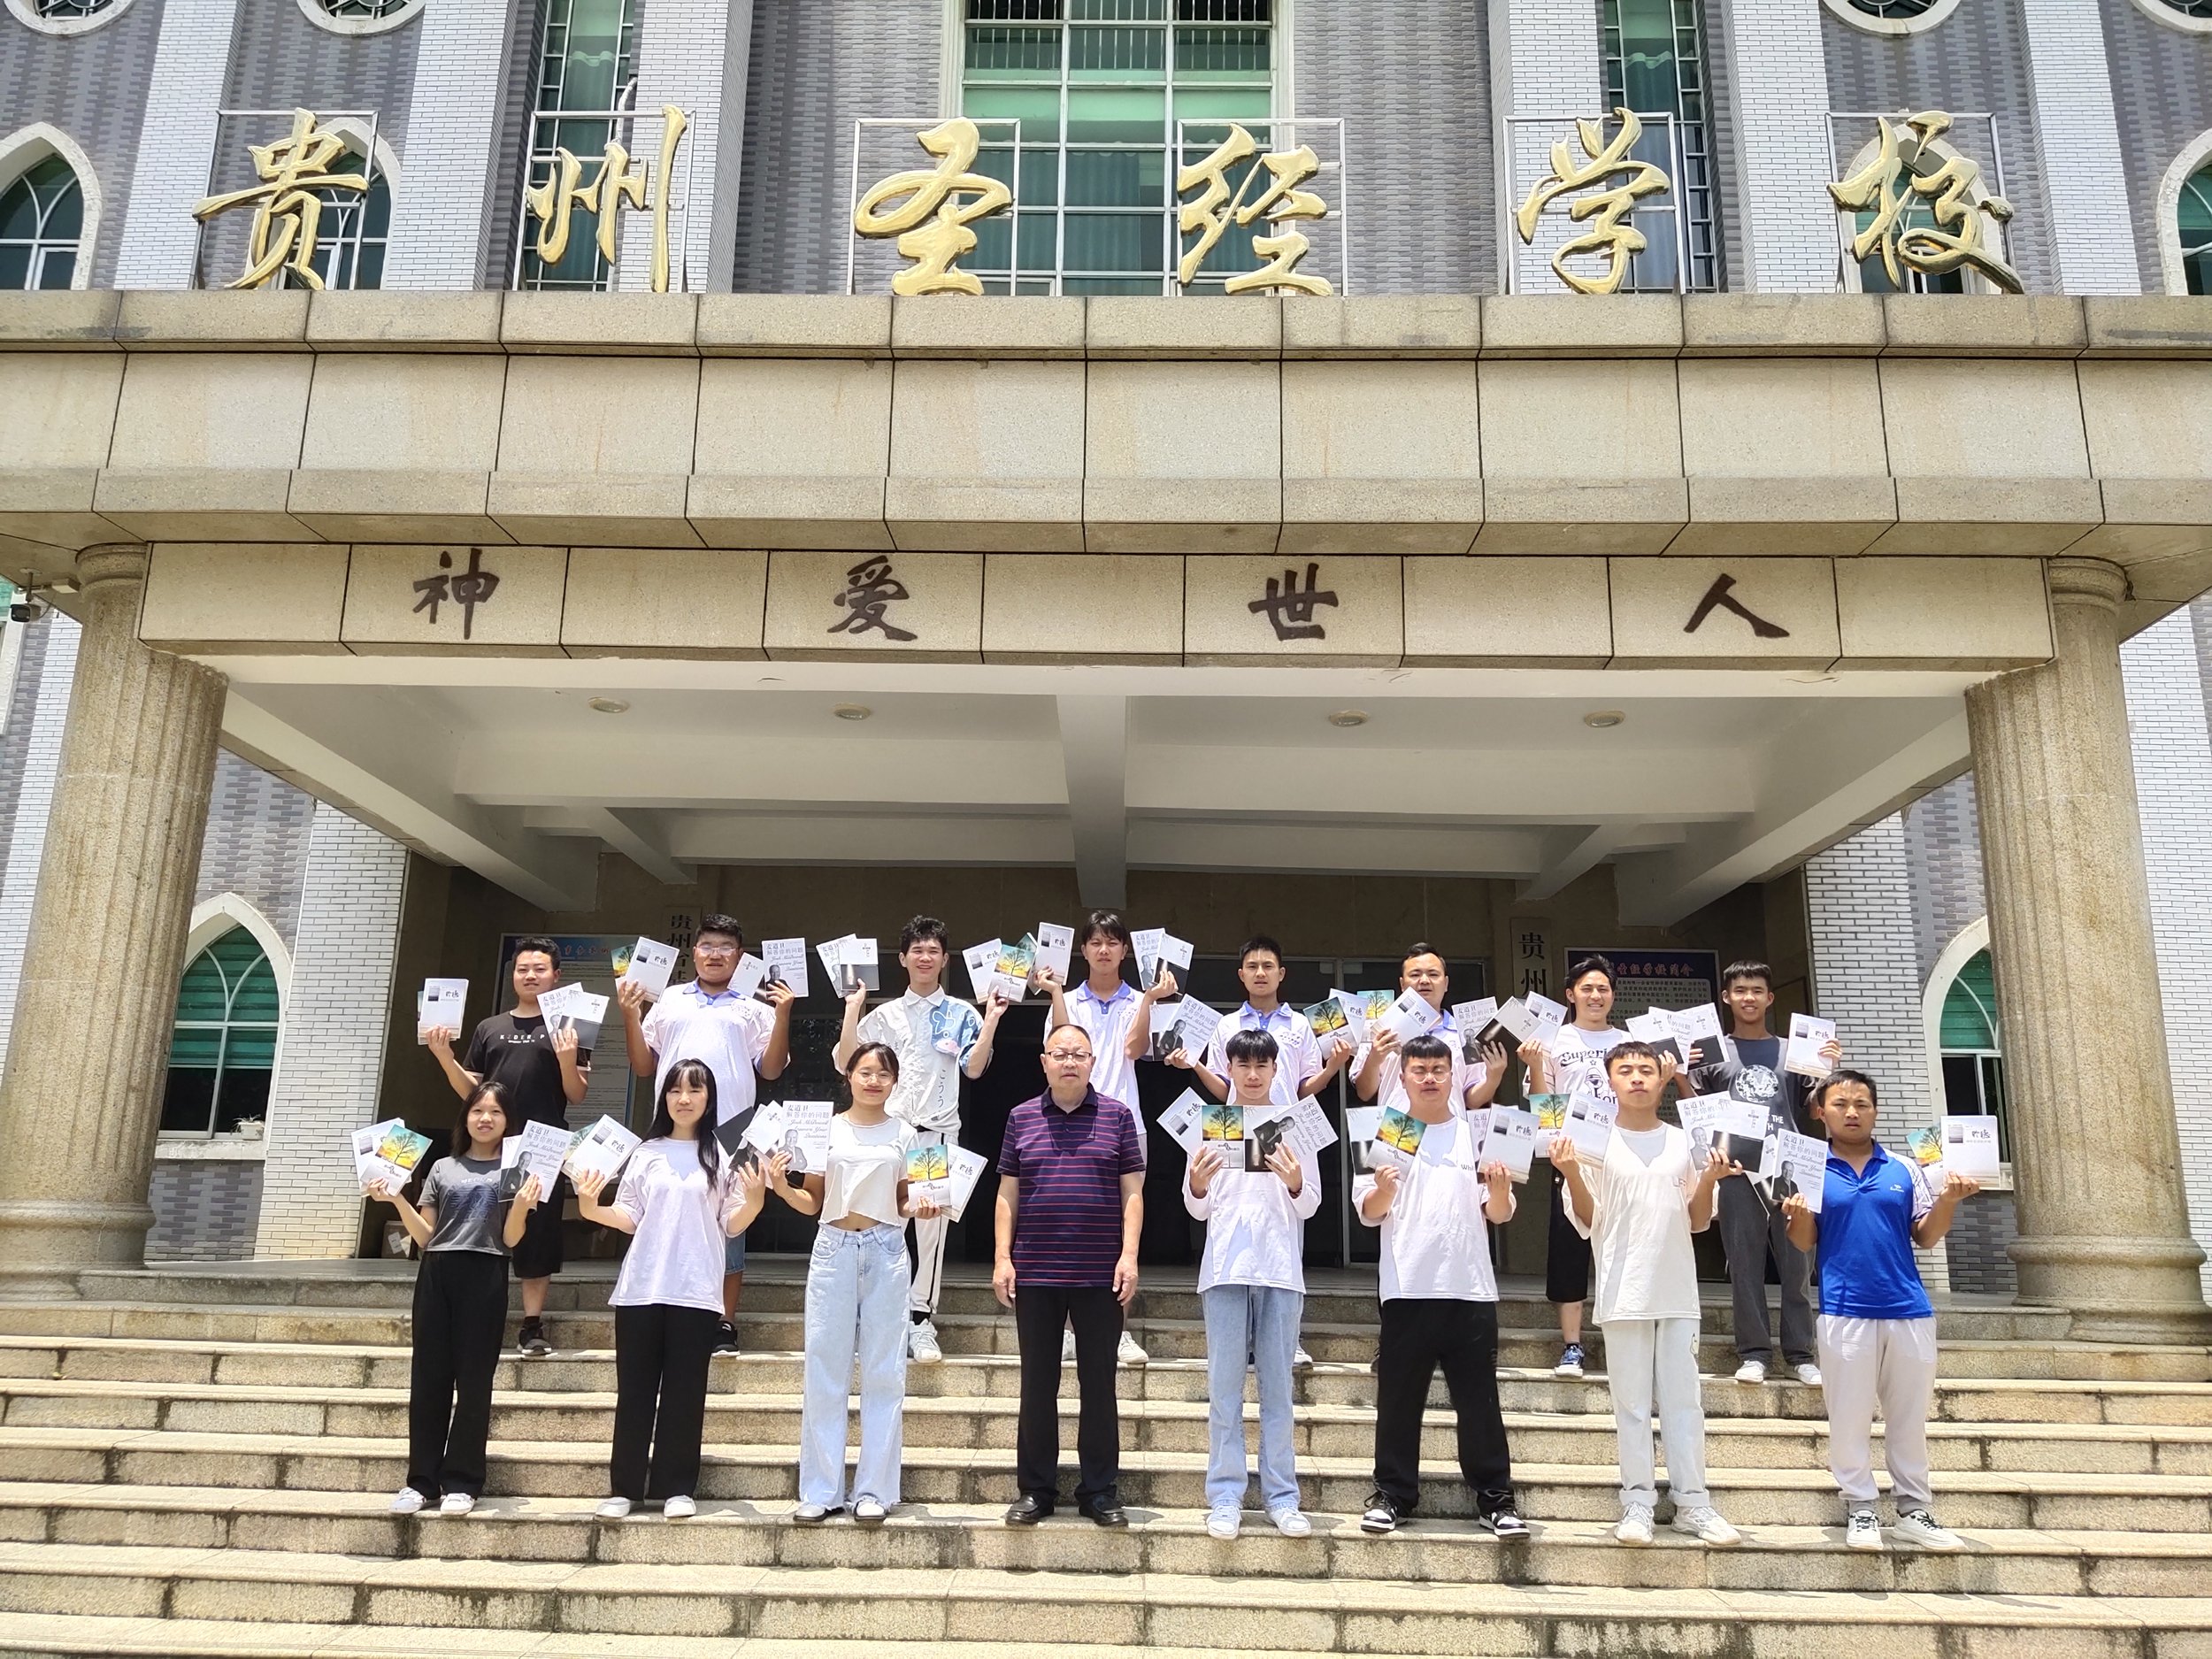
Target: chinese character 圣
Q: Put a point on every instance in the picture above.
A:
(1608, 235)
(467, 588)
(286, 210)
(869, 590)
(932, 226)
(1907, 163)
(1291, 609)
(1216, 205)
(618, 180)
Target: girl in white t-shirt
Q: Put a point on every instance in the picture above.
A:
(680, 1202)
(855, 1295)
(1572, 1063)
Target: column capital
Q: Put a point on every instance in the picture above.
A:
(2086, 582)
(114, 562)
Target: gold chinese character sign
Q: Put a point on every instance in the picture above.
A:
(287, 209)
(1609, 235)
(940, 203)
(1907, 163)
(1209, 213)
(618, 180)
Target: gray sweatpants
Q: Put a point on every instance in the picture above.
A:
(1749, 1228)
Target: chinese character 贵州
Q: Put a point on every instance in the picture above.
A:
(1719, 597)
(1216, 205)
(617, 180)
(467, 588)
(288, 209)
(1609, 235)
(1290, 608)
(932, 226)
(869, 590)
(1885, 187)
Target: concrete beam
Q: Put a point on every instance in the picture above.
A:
(1577, 852)
(1094, 752)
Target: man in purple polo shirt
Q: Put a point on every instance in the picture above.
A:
(1070, 1204)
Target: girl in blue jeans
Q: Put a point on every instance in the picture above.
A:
(856, 1297)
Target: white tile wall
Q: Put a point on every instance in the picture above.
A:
(175, 143)
(2080, 132)
(1780, 81)
(438, 211)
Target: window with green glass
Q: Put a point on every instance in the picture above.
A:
(1655, 64)
(2193, 219)
(1097, 87)
(224, 1046)
(586, 61)
(1972, 1057)
(353, 230)
(42, 223)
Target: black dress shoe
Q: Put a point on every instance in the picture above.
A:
(1028, 1510)
(1105, 1512)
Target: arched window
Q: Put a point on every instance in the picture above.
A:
(355, 225)
(41, 223)
(1972, 1053)
(224, 1046)
(2193, 222)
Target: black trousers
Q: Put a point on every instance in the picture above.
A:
(460, 1324)
(1419, 1334)
(539, 1255)
(1040, 1313)
(660, 1403)
(1566, 1252)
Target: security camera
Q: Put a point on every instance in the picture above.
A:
(27, 608)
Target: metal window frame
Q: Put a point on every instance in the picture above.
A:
(605, 276)
(322, 120)
(1848, 274)
(225, 1026)
(852, 205)
(1509, 236)
(1339, 200)
(1686, 19)
(39, 245)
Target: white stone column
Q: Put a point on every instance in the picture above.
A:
(1544, 61)
(81, 1101)
(2104, 1227)
(2091, 218)
(176, 140)
(442, 196)
(1778, 72)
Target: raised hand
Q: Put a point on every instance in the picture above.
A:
(589, 1185)
(1285, 1163)
(629, 995)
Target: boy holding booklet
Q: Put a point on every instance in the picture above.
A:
(1440, 1295)
(1252, 1286)
(1878, 1336)
(1638, 1205)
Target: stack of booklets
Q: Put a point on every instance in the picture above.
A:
(1808, 1037)
(648, 964)
(438, 1006)
(850, 963)
(797, 1128)
(1155, 948)
(1510, 1139)
(1529, 1018)
(572, 1005)
(601, 1149)
(948, 1174)
(1471, 1020)
(386, 1154)
(786, 960)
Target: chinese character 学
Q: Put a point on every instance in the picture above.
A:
(933, 224)
(1209, 212)
(287, 210)
(1610, 235)
(1290, 608)
(467, 588)
(869, 591)
(618, 180)
(1907, 164)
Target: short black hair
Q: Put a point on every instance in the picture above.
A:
(920, 928)
(539, 943)
(1250, 1045)
(1821, 1089)
(714, 922)
(1421, 948)
(1427, 1045)
(1108, 923)
(1260, 941)
(1592, 963)
(1747, 971)
(1633, 1048)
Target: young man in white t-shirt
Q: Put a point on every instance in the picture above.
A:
(1439, 1297)
(1572, 1063)
(1637, 1206)
(939, 1039)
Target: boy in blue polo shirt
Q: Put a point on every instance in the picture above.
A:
(1878, 1336)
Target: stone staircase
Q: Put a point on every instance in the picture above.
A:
(198, 1461)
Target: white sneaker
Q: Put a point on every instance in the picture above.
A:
(1291, 1522)
(1635, 1525)
(407, 1500)
(1067, 1348)
(1863, 1531)
(612, 1509)
(1809, 1374)
(1224, 1523)
(1129, 1352)
(921, 1344)
(1752, 1371)
(680, 1508)
(869, 1512)
(1704, 1524)
(456, 1504)
(1300, 1360)
(1918, 1526)
(811, 1514)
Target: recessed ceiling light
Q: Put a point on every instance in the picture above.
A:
(852, 711)
(1603, 720)
(610, 706)
(1349, 717)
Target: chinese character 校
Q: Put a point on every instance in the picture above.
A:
(931, 228)
(1209, 213)
(287, 209)
(467, 588)
(616, 180)
(1291, 609)
(869, 590)
(1608, 236)
(1719, 597)
(1907, 163)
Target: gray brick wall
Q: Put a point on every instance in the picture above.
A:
(1943, 853)
(1984, 1227)
(2161, 91)
(280, 59)
(258, 828)
(204, 1210)
(504, 192)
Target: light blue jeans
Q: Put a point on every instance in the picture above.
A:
(855, 1302)
(1263, 1323)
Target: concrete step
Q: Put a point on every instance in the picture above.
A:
(958, 1537)
(987, 1606)
(1167, 1425)
(1151, 1478)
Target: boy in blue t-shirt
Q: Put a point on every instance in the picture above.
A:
(1877, 1340)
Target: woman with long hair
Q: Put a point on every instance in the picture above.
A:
(856, 1296)
(460, 1317)
(679, 1202)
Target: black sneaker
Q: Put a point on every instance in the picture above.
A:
(531, 1340)
(726, 1338)
(1382, 1515)
(1498, 1511)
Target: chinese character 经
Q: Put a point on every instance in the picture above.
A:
(932, 226)
(1947, 182)
(1719, 597)
(616, 180)
(1608, 236)
(289, 210)
(1291, 608)
(1216, 205)
(467, 588)
(869, 590)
